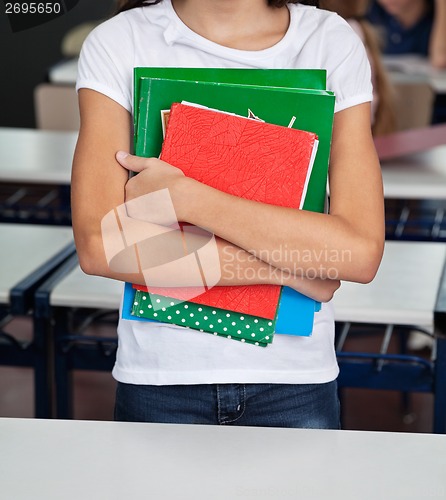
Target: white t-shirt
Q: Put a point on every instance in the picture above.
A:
(156, 353)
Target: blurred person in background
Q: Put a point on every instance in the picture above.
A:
(383, 105)
(414, 27)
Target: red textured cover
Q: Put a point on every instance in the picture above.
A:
(243, 157)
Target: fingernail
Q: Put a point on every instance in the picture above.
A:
(121, 155)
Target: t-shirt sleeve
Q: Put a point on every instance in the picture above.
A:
(105, 62)
(349, 75)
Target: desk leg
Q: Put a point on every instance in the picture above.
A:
(62, 368)
(42, 375)
(440, 388)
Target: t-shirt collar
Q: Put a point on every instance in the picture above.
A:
(175, 31)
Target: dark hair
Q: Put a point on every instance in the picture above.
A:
(131, 4)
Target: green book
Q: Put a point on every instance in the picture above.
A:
(288, 78)
(313, 111)
(232, 325)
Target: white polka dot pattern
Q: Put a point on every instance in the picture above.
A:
(232, 325)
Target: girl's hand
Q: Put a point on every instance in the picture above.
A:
(153, 175)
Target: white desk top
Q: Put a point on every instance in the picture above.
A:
(78, 289)
(411, 68)
(36, 156)
(404, 290)
(417, 176)
(24, 248)
(69, 460)
(64, 73)
(402, 69)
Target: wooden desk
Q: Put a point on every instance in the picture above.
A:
(55, 459)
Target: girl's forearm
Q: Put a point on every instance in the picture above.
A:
(233, 265)
(299, 242)
(346, 245)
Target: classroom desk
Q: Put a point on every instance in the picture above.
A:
(409, 291)
(35, 174)
(36, 156)
(28, 253)
(412, 268)
(410, 68)
(66, 290)
(415, 195)
(405, 292)
(402, 69)
(28, 256)
(47, 158)
(64, 72)
(78, 289)
(54, 459)
(420, 176)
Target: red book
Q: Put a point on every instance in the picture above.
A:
(247, 158)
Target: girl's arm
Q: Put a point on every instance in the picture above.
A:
(437, 43)
(347, 244)
(99, 186)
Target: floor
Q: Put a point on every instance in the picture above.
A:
(94, 397)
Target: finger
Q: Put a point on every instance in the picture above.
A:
(131, 162)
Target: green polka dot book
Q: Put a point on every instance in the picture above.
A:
(220, 322)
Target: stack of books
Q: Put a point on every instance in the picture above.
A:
(260, 134)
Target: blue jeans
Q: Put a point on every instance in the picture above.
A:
(310, 406)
